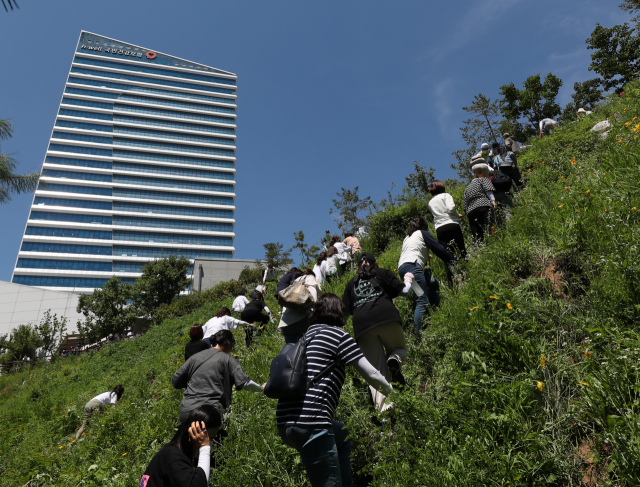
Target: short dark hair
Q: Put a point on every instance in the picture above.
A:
(257, 296)
(242, 292)
(118, 391)
(223, 312)
(328, 310)
(207, 414)
(348, 234)
(196, 333)
(222, 338)
(436, 187)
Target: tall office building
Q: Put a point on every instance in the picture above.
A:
(140, 165)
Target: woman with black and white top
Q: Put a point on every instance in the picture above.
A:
(377, 326)
(414, 259)
(171, 466)
(295, 322)
(477, 202)
(446, 220)
(307, 424)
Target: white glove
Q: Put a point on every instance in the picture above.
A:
(409, 277)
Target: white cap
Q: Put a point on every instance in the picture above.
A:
(484, 146)
(581, 110)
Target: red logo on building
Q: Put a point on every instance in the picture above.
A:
(151, 55)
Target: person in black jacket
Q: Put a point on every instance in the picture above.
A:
(196, 344)
(171, 466)
(287, 280)
(252, 313)
(377, 326)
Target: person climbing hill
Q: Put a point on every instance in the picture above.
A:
(447, 220)
(477, 201)
(321, 268)
(197, 344)
(240, 302)
(377, 326)
(222, 321)
(99, 402)
(252, 312)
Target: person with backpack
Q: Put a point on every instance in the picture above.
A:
(447, 220)
(252, 313)
(294, 321)
(377, 326)
(98, 403)
(287, 279)
(414, 259)
(222, 321)
(269, 275)
(307, 423)
(510, 143)
(208, 376)
(197, 344)
(172, 465)
(321, 268)
(503, 184)
(240, 302)
(477, 202)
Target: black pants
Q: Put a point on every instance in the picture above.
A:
(513, 173)
(479, 221)
(252, 316)
(450, 236)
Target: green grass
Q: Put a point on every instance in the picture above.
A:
(483, 406)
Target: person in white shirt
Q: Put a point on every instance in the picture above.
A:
(333, 264)
(240, 302)
(446, 218)
(321, 269)
(221, 321)
(269, 274)
(98, 402)
(546, 126)
(344, 250)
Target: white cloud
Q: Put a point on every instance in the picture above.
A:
(443, 95)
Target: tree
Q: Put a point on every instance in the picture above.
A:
(632, 7)
(616, 55)
(250, 275)
(523, 109)
(106, 310)
(10, 5)
(274, 254)
(307, 254)
(481, 127)
(161, 281)
(349, 209)
(24, 340)
(10, 182)
(418, 182)
(587, 94)
(51, 331)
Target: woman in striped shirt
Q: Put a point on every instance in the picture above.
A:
(308, 425)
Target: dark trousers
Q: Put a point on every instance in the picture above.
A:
(450, 235)
(254, 317)
(479, 221)
(513, 173)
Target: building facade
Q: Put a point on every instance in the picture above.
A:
(140, 165)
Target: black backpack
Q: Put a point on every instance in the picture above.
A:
(288, 373)
(501, 181)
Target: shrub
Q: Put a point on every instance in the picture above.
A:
(392, 223)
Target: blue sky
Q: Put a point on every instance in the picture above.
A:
(330, 94)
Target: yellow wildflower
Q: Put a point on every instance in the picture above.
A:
(584, 384)
(560, 206)
(627, 124)
(123, 454)
(566, 188)
(509, 306)
(540, 386)
(543, 360)
(493, 297)
(62, 447)
(634, 209)
(619, 140)
(573, 161)
(587, 354)
(475, 307)
(561, 177)
(588, 192)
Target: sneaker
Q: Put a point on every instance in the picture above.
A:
(395, 367)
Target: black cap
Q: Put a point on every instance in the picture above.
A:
(368, 257)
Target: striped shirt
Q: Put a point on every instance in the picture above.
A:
(319, 405)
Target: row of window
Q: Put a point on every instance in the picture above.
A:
(84, 126)
(72, 265)
(177, 104)
(135, 207)
(67, 188)
(83, 114)
(195, 161)
(102, 94)
(137, 267)
(154, 81)
(161, 195)
(68, 232)
(55, 281)
(160, 253)
(152, 91)
(174, 147)
(87, 103)
(84, 176)
(161, 134)
(122, 166)
(81, 137)
(65, 248)
(171, 124)
(80, 150)
(127, 221)
(150, 70)
(171, 238)
(165, 113)
(70, 217)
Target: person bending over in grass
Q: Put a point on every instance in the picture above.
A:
(172, 466)
(307, 424)
(240, 302)
(208, 376)
(221, 321)
(197, 344)
(99, 402)
(252, 312)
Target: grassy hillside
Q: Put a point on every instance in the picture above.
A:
(527, 374)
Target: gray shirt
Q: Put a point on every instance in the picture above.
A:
(208, 377)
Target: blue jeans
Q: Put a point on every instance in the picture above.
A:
(429, 285)
(325, 453)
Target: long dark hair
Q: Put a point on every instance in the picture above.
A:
(321, 258)
(332, 251)
(118, 391)
(297, 273)
(206, 413)
(335, 239)
(367, 269)
(418, 223)
(222, 312)
(328, 310)
(222, 338)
